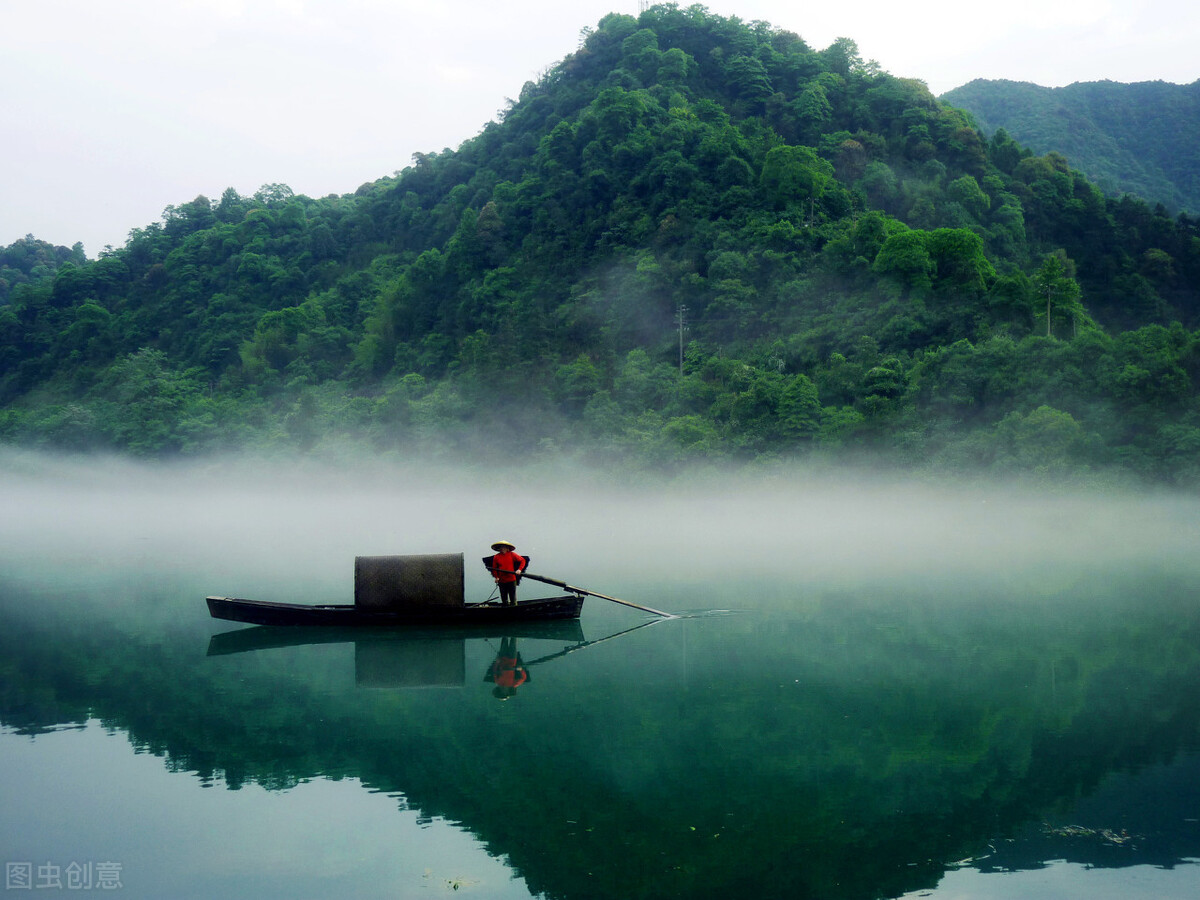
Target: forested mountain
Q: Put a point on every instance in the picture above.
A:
(693, 238)
(1129, 138)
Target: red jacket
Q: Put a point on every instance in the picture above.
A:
(506, 565)
(508, 672)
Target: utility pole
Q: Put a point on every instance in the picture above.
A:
(681, 316)
(1049, 294)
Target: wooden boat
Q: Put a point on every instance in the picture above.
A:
(425, 590)
(391, 591)
(262, 612)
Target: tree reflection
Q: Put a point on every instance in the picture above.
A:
(846, 747)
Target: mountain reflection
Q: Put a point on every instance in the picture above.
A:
(839, 746)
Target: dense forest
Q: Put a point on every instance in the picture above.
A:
(694, 238)
(1142, 138)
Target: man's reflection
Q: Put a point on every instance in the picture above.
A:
(507, 670)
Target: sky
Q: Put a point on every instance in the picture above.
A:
(113, 111)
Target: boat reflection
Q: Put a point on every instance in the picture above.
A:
(397, 657)
(267, 637)
(421, 658)
(507, 671)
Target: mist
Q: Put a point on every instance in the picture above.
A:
(267, 530)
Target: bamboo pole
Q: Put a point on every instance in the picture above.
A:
(577, 590)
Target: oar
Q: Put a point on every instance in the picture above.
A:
(565, 586)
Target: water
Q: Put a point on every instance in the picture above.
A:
(872, 691)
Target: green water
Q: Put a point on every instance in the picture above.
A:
(880, 693)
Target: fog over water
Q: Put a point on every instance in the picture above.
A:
(245, 525)
(875, 687)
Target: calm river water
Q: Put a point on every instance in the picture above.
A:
(872, 691)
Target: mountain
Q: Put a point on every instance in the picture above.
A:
(1129, 138)
(692, 239)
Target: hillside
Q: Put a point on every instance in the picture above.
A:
(1129, 138)
(692, 239)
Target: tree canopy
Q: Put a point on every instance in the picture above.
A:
(693, 238)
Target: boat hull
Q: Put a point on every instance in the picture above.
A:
(261, 612)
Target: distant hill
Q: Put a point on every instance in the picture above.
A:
(1139, 138)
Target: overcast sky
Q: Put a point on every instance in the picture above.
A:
(113, 110)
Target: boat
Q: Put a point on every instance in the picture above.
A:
(391, 591)
(405, 591)
(265, 612)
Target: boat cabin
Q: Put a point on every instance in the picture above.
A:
(407, 582)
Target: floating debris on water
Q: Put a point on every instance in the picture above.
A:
(1107, 835)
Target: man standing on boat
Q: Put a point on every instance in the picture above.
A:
(506, 567)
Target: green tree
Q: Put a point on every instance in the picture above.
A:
(748, 81)
(799, 409)
(1044, 441)
(143, 401)
(794, 175)
(905, 258)
(812, 110)
(1059, 290)
(575, 383)
(967, 192)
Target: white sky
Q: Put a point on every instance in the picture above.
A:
(113, 109)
